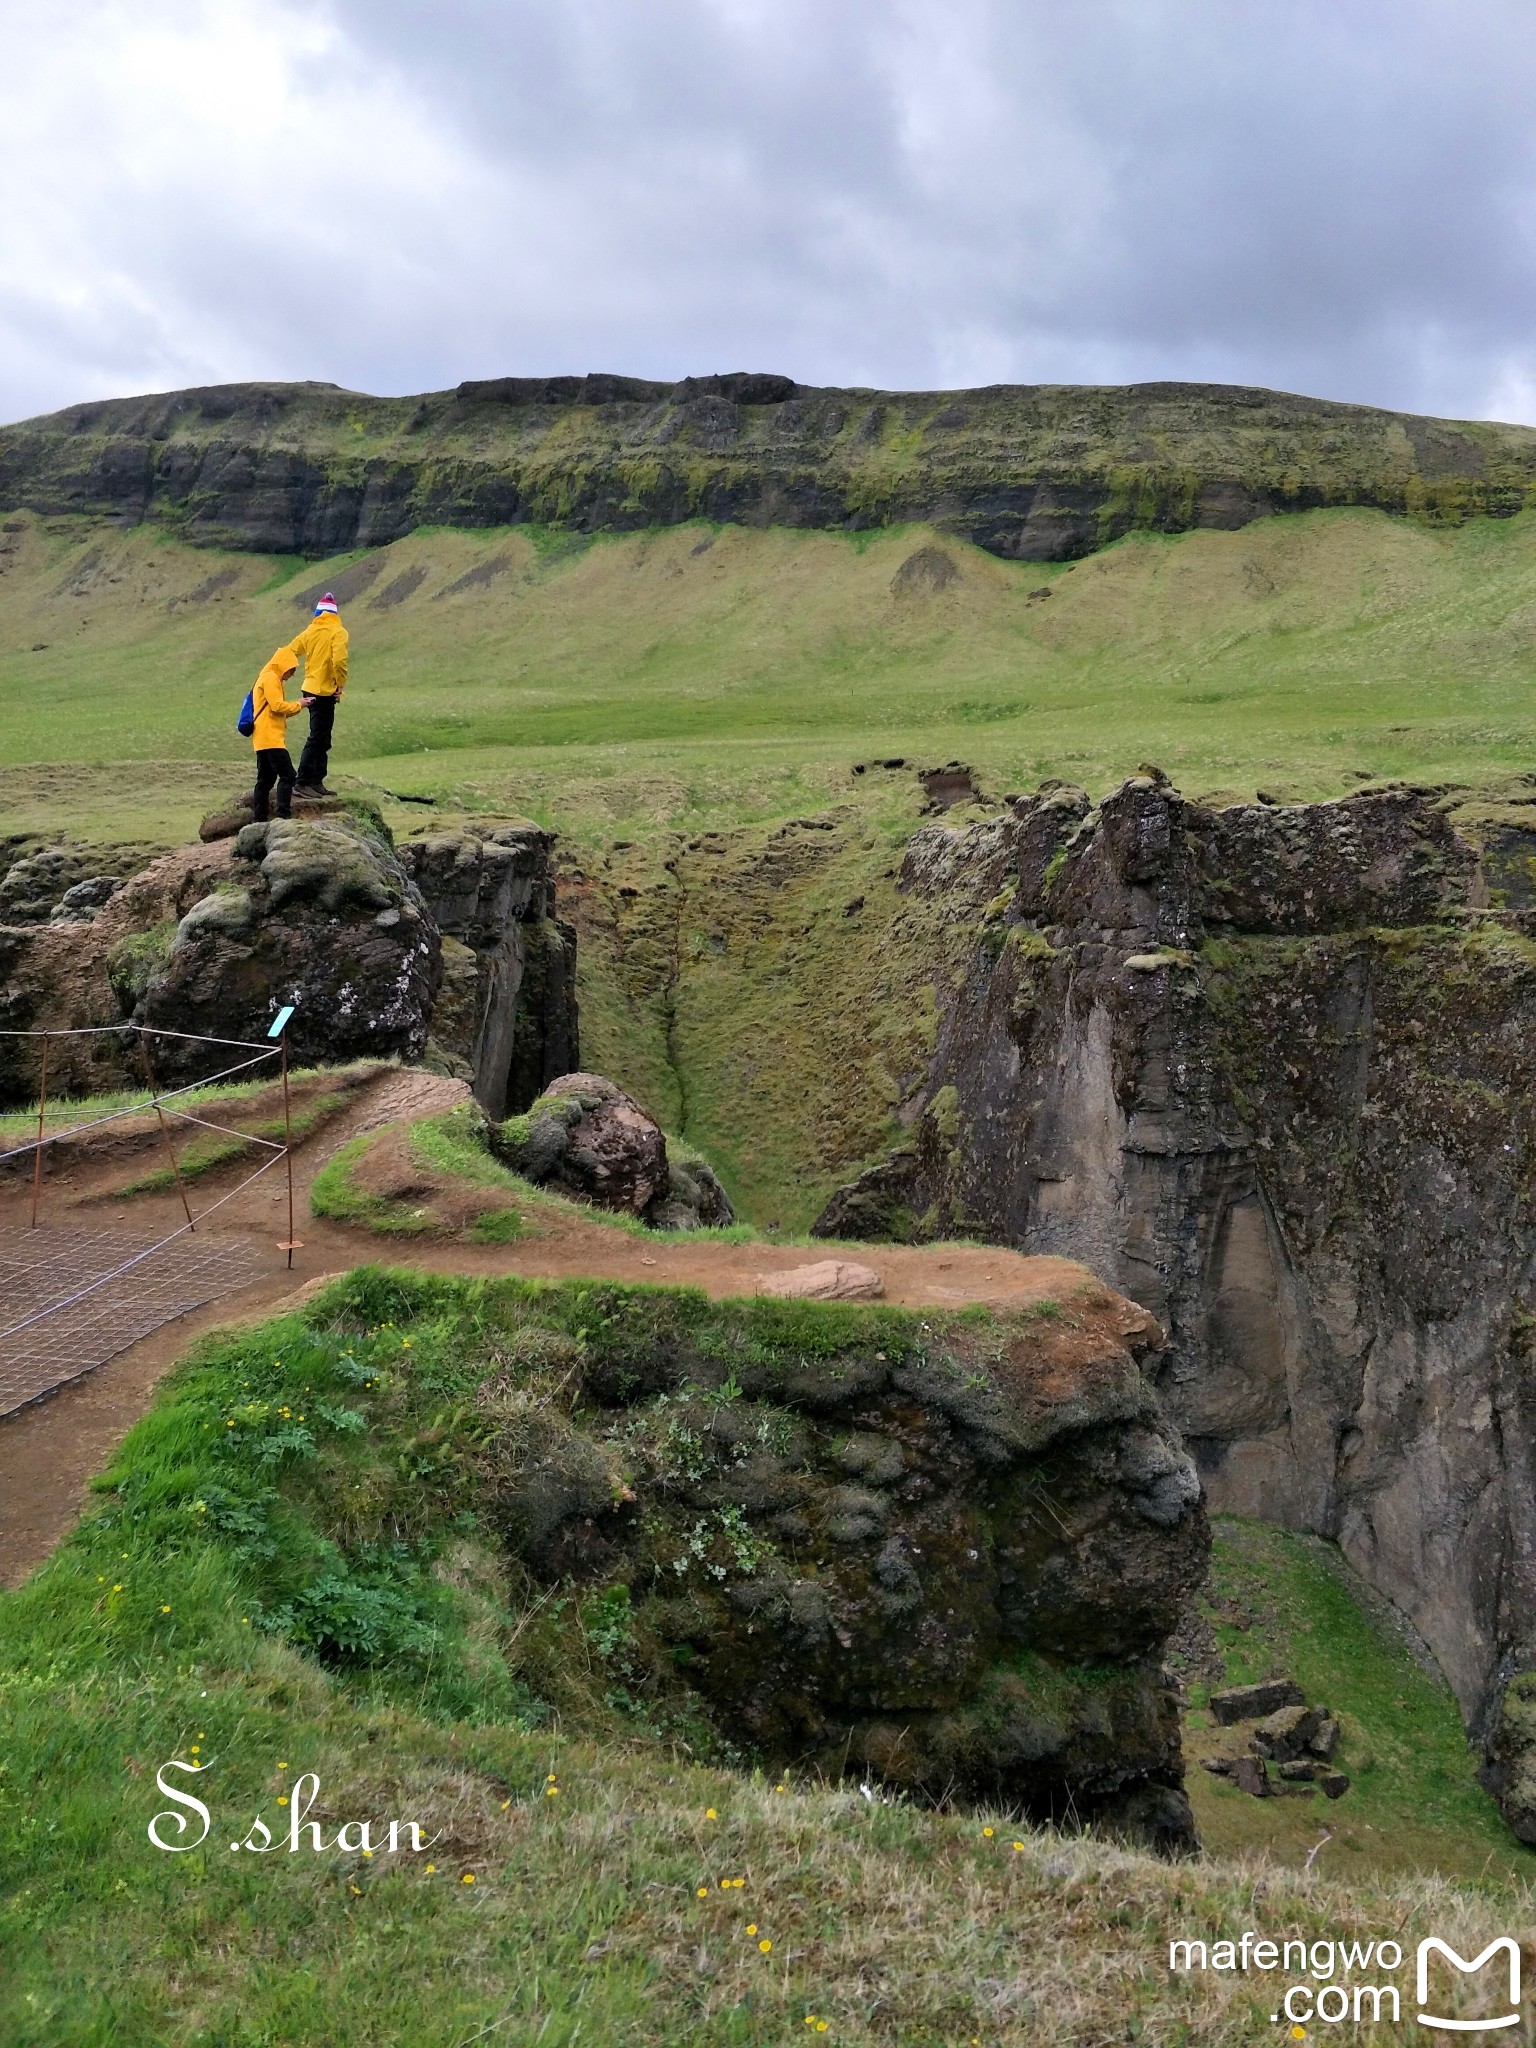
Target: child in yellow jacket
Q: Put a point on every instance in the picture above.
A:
(274, 764)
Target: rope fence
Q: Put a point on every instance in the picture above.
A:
(168, 1108)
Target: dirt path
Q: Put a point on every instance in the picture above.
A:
(50, 1452)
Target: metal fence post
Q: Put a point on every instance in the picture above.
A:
(165, 1130)
(42, 1105)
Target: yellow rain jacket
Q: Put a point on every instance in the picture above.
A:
(273, 709)
(323, 648)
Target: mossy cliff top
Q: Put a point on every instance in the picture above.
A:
(1038, 472)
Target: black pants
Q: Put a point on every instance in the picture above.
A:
(316, 757)
(273, 764)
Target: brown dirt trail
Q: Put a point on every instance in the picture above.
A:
(50, 1451)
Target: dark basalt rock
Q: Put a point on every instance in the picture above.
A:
(506, 1016)
(944, 1553)
(1271, 1070)
(1253, 1702)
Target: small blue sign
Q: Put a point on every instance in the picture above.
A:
(276, 1028)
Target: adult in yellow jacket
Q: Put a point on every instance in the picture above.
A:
(322, 647)
(273, 710)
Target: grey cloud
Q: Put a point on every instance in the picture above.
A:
(902, 192)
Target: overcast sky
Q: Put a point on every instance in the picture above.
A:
(1330, 196)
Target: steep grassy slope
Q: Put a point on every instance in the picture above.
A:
(1034, 472)
(1285, 1605)
(702, 676)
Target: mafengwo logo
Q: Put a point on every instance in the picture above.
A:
(1353, 1983)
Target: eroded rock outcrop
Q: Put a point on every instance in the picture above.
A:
(1272, 1072)
(323, 912)
(945, 1552)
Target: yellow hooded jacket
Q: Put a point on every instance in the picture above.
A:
(323, 648)
(273, 709)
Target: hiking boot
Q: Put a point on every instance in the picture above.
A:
(312, 790)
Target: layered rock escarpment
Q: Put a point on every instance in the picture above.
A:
(1034, 472)
(1272, 1072)
(944, 1551)
(324, 913)
(506, 1009)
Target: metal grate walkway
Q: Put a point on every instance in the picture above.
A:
(41, 1271)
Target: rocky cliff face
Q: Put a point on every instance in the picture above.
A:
(1036, 472)
(323, 912)
(943, 1551)
(507, 1006)
(1272, 1072)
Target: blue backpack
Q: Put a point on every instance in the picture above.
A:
(245, 724)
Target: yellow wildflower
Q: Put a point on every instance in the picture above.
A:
(468, 1877)
(764, 1946)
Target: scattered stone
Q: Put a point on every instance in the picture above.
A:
(1334, 1784)
(1300, 1770)
(1250, 1774)
(1253, 1702)
(827, 1280)
(1286, 1733)
(1218, 1766)
(1326, 1740)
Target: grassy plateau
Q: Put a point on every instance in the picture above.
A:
(696, 676)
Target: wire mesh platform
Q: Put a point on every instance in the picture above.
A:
(48, 1284)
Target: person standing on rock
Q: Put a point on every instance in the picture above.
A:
(274, 764)
(322, 647)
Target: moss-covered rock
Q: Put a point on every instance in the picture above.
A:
(587, 1138)
(946, 1551)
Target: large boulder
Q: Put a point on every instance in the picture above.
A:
(318, 915)
(945, 1551)
(74, 880)
(586, 1138)
(320, 911)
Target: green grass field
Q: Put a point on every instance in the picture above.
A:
(699, 676)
